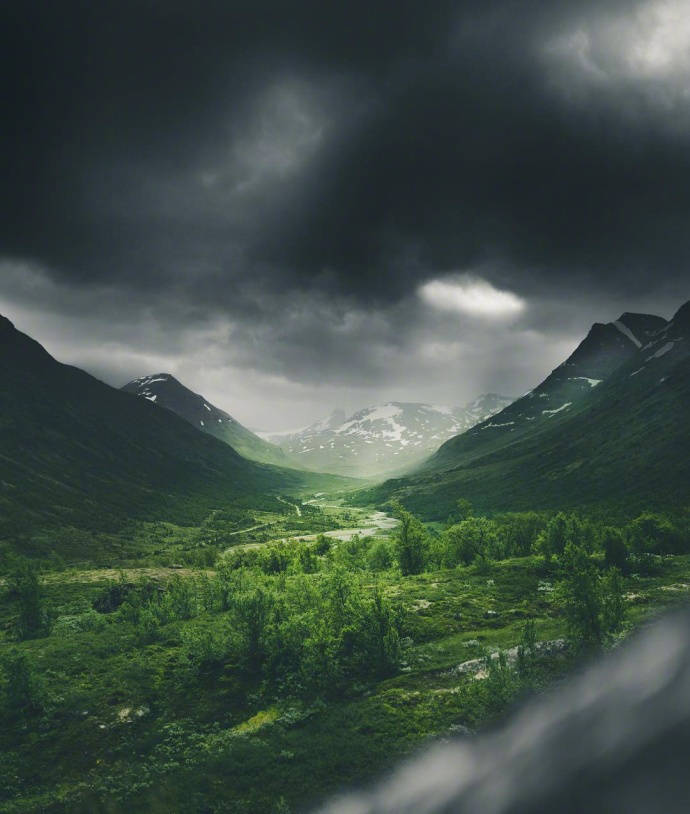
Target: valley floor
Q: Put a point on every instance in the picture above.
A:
(127, 720)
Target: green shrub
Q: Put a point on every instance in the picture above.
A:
(322, 545)
(33, 617)
(655, 534)
(88, 622)
(593, 604)
(379, 556)
(472, 539)
(411, 542)
(614, 547)
(22, 691)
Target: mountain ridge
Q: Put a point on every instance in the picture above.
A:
(382, 438)
(626, 441)
(164, 390)
(602, 350)
(77, 453)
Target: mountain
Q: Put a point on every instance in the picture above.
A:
(385, 438)
(602, 351)
(621, 440)
(77, 453)
(166, 391)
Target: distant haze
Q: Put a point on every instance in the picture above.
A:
(295, 208)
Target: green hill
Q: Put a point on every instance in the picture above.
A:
(624, 441)
(76, 452)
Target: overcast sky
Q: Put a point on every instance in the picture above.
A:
(297, 206)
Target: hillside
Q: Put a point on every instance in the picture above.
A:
(385, 438)
(602, 351)
(622, 440)
(78, 453)
(166, 391)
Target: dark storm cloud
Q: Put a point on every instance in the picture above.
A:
(438, 142)
(279, 179)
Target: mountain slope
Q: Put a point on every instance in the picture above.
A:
(76, 452)
(385, 438)
(166, 391)
(625, 442)
(603, 350)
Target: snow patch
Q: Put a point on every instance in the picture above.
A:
(558, 409)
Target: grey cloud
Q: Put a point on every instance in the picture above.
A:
(262, 187)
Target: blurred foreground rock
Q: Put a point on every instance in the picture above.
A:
(614, 740)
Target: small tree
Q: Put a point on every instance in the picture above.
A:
(555, 536)
(379, 557)
(411, 545)
(653, 533)
(519, 531)
(322, 545)
(33, 620)
(615, 549)
(22, 690)
(472, 539)
(251, 614)
(593, 603)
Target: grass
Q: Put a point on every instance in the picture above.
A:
(128, 724)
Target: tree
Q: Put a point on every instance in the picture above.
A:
(322, 545)
(593, 604)
(23, 693)
(519, 532)
(411, 544)
(306, 559)
(33, 620)
(251, 614)
(615, 549)
(379, 557)
(554, 538)
(653, 533)
(473, 538)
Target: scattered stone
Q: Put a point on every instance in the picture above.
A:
(126, 715)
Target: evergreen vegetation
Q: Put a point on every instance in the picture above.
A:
(264, 680)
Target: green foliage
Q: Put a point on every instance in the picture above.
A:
(88, 622)
(462, 510)
(411, 544)
(22, 691)
(379, 556)
(655, 534)
(322, 545)
(33, 617)
(527, 649)
(519, 531)
(305, 559)
(465, 542)
(614, 548)
(563, 529)
(592, 603)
